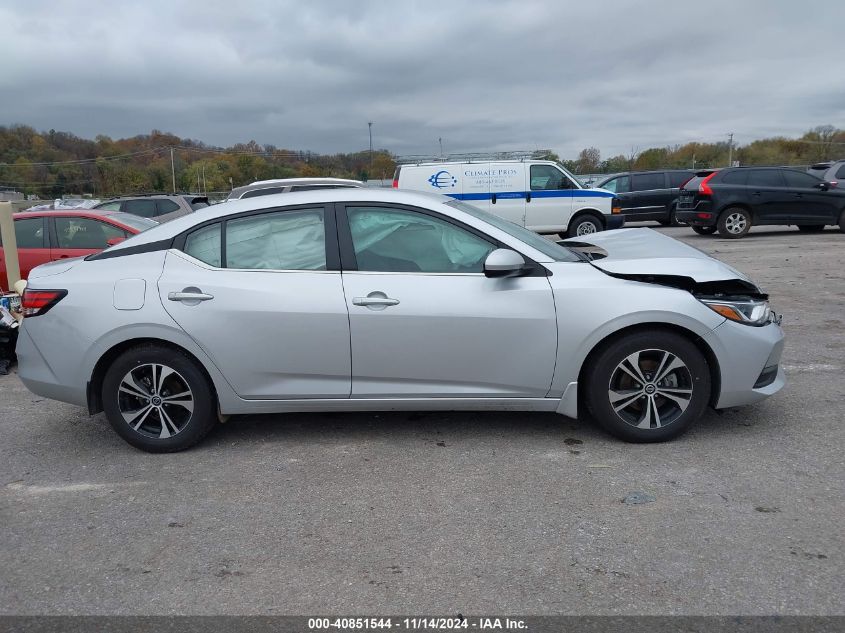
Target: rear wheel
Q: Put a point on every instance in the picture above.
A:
(586, 224)
(158, 399)
(810, 228)
(734, 222)
(648, 386)
(842, 222)
(704, 230)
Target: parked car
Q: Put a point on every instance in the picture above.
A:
(830, 171)
(733, 200)
(538, 194)
(368, 299)
(160, 207)
(44, 236)
(648, 195)
(288, 185)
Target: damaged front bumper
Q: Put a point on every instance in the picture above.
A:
(749, 362)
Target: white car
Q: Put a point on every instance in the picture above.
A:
(368, 299)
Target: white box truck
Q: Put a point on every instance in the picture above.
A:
(537, 194)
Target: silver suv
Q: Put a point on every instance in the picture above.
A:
(286, 185)
(832, 171)
(160, 207)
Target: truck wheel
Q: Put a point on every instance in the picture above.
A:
(734, 222)
(586, 224)
(647, 386)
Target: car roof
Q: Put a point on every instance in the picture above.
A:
(169, 230)
(306, 181)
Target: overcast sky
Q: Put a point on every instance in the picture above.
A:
(481, 75)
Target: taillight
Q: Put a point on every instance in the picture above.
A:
(37, 302)
(703, 188)
(396, 177)
(395, 183)
(833, 183)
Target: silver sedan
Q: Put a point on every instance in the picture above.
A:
(365, 300)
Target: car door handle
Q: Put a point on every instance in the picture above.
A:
(374, 301)
(799, 195)
(493, 198)
(756, 193)
(528, 196)
(189, 296)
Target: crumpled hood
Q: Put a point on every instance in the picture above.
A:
(645, 252)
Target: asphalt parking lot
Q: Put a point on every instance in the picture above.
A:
(447, 513)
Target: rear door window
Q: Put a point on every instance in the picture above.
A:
(648, 182)
(280, 240)
(85, 233)
(765, 178)
(146, 208)
(799, 180)
(167, 206)
(739, 177)
(29, 233)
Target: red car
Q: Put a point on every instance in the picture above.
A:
(45, 236)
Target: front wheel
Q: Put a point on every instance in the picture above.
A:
(648, 386)
(158, 399)
(704, 230)
(735, 222)
(586, 224)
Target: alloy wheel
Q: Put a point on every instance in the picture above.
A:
(650, 388)
(736, 223)
(586, 228)
(155, 400)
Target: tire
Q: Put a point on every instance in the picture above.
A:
(679, 397)
(810, 228)
(673, 220)
(704, 230)
(842, 221)
(142, 415)
(585, 224)
(734, 223)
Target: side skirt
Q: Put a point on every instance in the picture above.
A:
(392, 404)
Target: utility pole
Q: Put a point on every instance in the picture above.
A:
(731, 149)
(370, 126)
(173, 170)
(693, 161)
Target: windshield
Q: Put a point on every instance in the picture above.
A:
(135, 221)
(555, 251)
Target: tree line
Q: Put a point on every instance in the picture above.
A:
(51, 164)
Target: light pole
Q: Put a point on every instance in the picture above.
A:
(370, 126)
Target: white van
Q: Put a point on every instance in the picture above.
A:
(537, 194)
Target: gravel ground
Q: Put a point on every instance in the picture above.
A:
(447, 513)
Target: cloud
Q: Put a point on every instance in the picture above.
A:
(481, 76)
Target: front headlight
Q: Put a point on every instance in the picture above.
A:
(740, 309)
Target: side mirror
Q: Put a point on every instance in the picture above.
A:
(115, 240)
(504, 262)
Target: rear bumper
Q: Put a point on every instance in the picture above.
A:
(700, 215)
(37, 375)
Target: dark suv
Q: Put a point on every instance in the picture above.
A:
(733, 200)
(647, 195)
